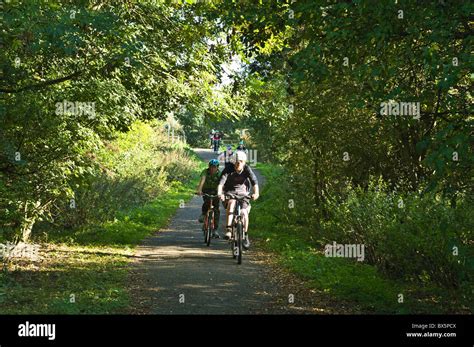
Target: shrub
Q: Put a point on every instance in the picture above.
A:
(409, 236)
(132, 169)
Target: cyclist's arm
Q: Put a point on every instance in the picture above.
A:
(220, 193)
(253, 179)
(201, 184)
(222, 182)
(256, 192)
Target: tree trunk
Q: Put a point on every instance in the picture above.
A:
(29, 219)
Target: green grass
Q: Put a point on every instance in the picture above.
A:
(296, 249)
(70, 280)
(90, 263)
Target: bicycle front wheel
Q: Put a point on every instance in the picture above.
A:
(210, 223)
(239, 240)
(233, 244)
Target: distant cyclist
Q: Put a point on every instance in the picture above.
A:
(217, 140)
(208, 185)
(226, 157)
(241, 147)
(237, 180)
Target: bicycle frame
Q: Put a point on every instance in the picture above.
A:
(210, 215)
(237, 227)
(237, 213)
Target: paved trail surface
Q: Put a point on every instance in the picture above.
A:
(175, 264)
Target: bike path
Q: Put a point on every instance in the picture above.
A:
(177, 273)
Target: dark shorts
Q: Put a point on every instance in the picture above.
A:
(207, 202)
(245, 203)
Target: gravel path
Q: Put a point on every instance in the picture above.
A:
(174, 272)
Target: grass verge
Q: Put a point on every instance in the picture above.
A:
(85, 271)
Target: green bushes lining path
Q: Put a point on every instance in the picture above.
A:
(423, 270)
(88, 266)
(83, 268)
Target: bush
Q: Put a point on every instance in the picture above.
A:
(132, 169)
(409, 236)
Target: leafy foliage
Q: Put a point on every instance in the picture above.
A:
(120, 62)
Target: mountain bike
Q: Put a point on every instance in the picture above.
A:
(237, 233)
(208, 226)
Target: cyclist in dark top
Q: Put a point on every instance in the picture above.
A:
(226, 156)
(217, 140)
(241, 147)
(237, 180)
(208, 184)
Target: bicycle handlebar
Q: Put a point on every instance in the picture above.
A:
(227, 196)
(237, 197)
(208, 195)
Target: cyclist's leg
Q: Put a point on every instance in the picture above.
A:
(229, 215)
(230, 211)
(245, 216)
(204, 208)
(205, 204)
(245, 219)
